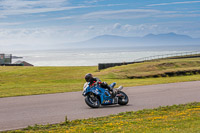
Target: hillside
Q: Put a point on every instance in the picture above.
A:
(19, 81)
(168, 39)
(156, 68)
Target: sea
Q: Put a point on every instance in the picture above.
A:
(92, 56)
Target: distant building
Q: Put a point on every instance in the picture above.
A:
(5, 59)
(24, 63)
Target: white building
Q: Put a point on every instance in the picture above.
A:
(5, 59)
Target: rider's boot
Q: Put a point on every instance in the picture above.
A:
(114, 92)
(111, 90)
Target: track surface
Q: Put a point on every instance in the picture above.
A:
(19, 112)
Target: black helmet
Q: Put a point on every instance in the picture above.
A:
(88, 77)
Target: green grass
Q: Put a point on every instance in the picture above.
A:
(177, 118)
(20, 81)
(148, 69)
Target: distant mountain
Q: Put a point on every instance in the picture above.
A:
(169, 39)
(167, 36)
(110, 40)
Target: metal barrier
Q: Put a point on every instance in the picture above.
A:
(166, 56)
(175, 55)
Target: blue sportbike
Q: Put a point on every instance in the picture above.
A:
(96, 95)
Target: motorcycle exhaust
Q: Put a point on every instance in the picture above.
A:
(120, 88)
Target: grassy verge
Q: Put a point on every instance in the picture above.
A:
(177, 118)
(20, 81)
(156, 67)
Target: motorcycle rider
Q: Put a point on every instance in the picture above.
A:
(94, 80)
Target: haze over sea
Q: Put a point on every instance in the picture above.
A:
(69, 26)
(93, 56)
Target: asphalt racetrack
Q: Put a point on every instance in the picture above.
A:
(19, 112)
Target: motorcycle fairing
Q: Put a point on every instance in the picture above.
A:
(104, 95)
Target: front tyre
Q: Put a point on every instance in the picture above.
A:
(92, 101)
(122, 98)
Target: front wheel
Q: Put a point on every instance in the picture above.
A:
(92, 101)
(122, 98)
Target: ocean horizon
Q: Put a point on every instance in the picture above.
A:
(92, 56)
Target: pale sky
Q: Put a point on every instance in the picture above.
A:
(41, 23)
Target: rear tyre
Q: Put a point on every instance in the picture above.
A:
(92, 101)
(122, 98)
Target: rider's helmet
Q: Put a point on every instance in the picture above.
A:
(88, 76)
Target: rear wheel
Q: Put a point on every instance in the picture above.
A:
(122, 98)
(92, 101)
